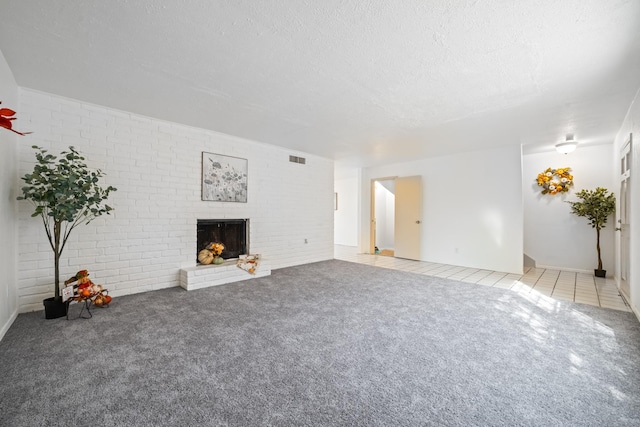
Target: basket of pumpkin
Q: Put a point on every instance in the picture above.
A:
(84, 289)
(102, 299)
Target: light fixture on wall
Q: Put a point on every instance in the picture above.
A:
(567, 146)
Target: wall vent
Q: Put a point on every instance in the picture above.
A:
(295, 159)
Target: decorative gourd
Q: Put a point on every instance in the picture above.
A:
(107, 299)
(205, 256)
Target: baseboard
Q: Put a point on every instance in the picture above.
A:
(527, 261)
(7, 325)
(635, 311)
(626, 299)
(573, 270)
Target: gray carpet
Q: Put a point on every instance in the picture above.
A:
(330, 343)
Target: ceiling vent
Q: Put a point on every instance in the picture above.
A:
(296, 159)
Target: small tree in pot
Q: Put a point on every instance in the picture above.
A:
(65, 194)
(596, 205)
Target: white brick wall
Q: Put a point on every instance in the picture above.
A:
(156, 167)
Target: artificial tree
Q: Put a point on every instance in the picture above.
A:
(65, 193)
(596, 205)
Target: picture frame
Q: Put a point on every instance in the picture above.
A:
(224, 178)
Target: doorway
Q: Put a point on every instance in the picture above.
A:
(384, 217)
(396, 217)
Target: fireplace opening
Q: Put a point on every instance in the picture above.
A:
(232, 233)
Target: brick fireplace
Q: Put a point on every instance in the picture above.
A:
(232, 233)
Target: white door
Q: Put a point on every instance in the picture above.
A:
(623, 215)
(408, 217)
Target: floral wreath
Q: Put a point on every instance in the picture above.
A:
(554, 181)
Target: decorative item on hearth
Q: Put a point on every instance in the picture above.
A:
(65, 194)
(554, 181)
(596, 205)
(205, 257)
(216, 249)
(211, 254)
(249, 263)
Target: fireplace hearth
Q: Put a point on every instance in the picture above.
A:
(232, 233)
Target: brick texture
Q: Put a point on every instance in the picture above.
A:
(156, 167)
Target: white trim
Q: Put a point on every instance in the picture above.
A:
(7, 325)
(573, 270)
(627, 300)
(633, 309)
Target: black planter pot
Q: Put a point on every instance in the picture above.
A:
(53, 308)
(600, 273)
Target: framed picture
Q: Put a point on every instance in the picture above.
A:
(224, 178)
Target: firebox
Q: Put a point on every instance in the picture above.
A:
(232, 233)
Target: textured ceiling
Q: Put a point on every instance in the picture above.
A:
(362, 82)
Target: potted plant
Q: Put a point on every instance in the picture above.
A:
(65, 194)
(596, 205)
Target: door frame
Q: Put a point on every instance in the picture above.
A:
(372, 207)
(622, 213)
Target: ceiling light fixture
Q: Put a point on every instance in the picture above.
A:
(567, 146)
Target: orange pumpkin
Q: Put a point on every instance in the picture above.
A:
(107, 299)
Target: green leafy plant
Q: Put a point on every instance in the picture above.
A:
(596, 205)
(65, 193)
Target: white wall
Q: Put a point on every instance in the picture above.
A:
(346, 217)
(631, 125)
(553, 236)
(472, 207)
(8, 204)
(385, 214)
(156, 168)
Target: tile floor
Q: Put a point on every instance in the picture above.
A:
(561, 285)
